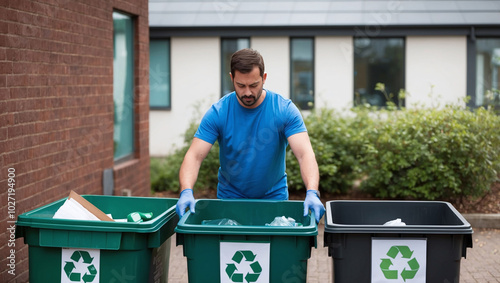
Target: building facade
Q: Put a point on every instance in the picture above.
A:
(74, 107)
(320, 54)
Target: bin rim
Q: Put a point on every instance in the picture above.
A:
(26, 221)
(334, 228)
(307, 230)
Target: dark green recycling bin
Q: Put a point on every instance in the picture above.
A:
(428, 248)
(63, 250)
(251, 251)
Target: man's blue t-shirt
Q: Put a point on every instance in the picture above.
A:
(252, 145)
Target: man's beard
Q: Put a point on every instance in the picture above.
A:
(253, 100)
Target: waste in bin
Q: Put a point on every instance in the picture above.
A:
(63, 250)
(252, 251)
(427, 248)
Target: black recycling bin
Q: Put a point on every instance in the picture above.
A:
(426, 247)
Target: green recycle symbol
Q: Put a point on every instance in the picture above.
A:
(238, 277)
(70, 266)
(405, 253)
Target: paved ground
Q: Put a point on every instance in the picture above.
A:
(483, 260)
(482, 264)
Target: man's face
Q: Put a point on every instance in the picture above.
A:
(249, 87)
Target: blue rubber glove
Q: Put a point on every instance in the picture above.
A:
(186, 199)
(313, 203)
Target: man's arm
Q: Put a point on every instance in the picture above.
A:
(190, 167)
(302, 149)
(189, 173)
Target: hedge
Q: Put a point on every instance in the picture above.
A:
(423, 153)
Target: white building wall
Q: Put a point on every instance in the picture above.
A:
(195, 85)
(433, 63)
(333, 72)
(276, 54)
(436, 70)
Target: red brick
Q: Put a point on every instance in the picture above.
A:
(3, 136)
(4, 97)
(17, 80)
(5, 67)
(3, 26)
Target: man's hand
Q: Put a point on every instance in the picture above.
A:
(313, 203)
(186, 199)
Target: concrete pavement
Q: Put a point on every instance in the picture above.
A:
(482, 264)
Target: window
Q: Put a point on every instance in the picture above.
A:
(378, 60)
(487, 71)
(228, 47)
(159, 74)
(123, 85)
(302, 72)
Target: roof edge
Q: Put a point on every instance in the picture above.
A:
(357, 31)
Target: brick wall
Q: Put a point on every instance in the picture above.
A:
(56, 107)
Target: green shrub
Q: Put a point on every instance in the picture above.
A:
(432, 154)
(336, 140)
(165, 171)
(427, 154)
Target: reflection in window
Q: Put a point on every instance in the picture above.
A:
(487, 71)
(159, 74)
(123, 85)
(228, 47)
(378, 60)
(302, 72)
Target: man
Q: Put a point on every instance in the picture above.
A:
(253, 127)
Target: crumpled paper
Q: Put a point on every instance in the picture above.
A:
(395, 222)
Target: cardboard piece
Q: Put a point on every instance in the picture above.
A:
(82, 209)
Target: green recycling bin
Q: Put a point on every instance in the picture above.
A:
(63, 250)
(249, 251)
(395, 241)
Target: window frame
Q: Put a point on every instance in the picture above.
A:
(169, 57)
(313, 69)
(222, 75)
(131, 155)
(472, 67)
(403, 71)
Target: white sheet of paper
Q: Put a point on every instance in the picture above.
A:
(71, 209)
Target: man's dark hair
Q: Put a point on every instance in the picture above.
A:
(245, 60)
